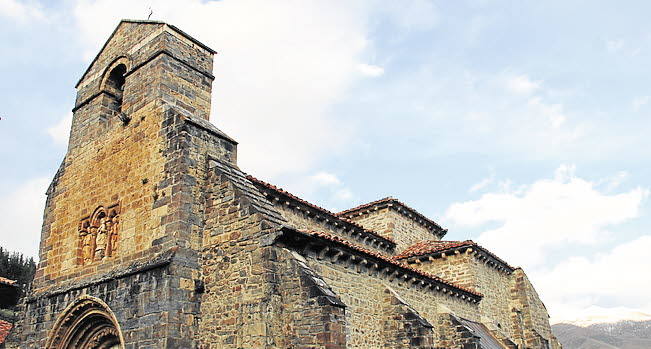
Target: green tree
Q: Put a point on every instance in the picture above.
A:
(15, 266)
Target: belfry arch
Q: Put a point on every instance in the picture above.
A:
(114, 80)
(88, 323)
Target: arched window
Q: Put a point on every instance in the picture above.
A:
(115, 85)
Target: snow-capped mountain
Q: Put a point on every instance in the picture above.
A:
(614, 316)
(606, 332)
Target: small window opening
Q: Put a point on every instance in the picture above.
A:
(115, 84)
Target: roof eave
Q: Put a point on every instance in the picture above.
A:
(290, 231)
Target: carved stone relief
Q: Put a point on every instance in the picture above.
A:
(98, 234)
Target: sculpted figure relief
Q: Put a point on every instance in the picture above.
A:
(87, 243)
(112, 243)
(98, 235)
(100, 244)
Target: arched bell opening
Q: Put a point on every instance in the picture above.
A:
(115, 84)
(86, 324)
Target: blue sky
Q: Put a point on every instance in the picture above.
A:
(520, 124)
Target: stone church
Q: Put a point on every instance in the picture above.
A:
(154, 238)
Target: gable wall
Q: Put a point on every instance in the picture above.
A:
(456, 268)
(393, 225)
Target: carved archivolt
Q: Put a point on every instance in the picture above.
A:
(98, 234)
(85, 324)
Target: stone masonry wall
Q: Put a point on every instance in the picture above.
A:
(454, 334)
(154, 310)
(457, 268)
(391, 224)
(139, 43)
(534, 317)
(496, 307)
(503, 293)
(464, 269)
(403, 326)
(363, 295)
(256, 294)
(310, 314)
(121, 167)
(237, 271)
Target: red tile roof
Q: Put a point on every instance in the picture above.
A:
(430, 246)
(320, 209)
(390, 200)
(5, 328)
(6, 281)
(396, 263)
(422, 248)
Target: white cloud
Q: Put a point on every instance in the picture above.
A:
(61, 130)
(482, 184)
(325, 179)
(485, 115)
(329, 183)
(639, 102)
(553, 112)
(545, 215)
(614, 45)
(322, 185)
(343, 194)
(615, 180)
(412, 15)
(370, 70)
(21, 11)
(612, 277)
(521, 84)
(22, 212)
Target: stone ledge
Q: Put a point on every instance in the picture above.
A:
(160, 261)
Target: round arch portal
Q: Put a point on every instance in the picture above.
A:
(88, 323)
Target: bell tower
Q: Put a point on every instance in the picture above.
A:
(112, 192)
(122, 222)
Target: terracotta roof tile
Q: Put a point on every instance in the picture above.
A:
(430, 246)
(422, 248)
(5, 328)
(396, 263)
(391, 200)
(320, 209)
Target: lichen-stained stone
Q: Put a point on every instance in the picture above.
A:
(153, 237)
